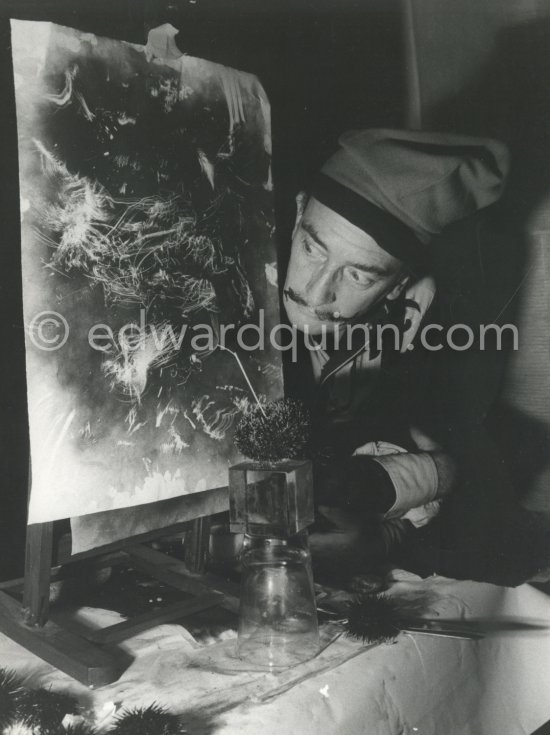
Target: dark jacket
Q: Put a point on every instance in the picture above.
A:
(481, 532)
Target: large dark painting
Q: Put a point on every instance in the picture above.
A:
(147, 225)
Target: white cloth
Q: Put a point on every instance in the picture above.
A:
(420, 685)
(414, 477)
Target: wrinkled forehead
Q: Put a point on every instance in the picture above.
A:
(342, 239)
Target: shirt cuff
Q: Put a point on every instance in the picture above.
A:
(414, 477)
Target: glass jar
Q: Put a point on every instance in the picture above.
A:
(277, 615)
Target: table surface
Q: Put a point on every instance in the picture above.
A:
(418, 684)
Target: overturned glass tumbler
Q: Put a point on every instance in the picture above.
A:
(272, 504)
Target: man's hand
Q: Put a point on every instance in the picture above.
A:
(351, 548)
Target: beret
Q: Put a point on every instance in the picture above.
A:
(404, 187)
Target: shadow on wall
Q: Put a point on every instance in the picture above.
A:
(525, 443)
(509, 98)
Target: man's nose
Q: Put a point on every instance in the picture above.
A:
(320, 288)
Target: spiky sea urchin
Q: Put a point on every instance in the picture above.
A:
(10, 688)
(80, 728)
(374, 618)
(151, 720)
(282, 433)
(20, 727)
(43, 710)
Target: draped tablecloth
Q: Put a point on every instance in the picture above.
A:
(419, 684)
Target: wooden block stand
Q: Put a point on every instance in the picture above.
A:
(91, 655)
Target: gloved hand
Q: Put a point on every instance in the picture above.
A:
(358, 484)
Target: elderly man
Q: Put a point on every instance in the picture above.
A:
(385, 446)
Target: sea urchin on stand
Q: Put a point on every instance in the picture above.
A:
(272, 431)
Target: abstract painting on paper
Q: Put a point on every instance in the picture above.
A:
(147, 225)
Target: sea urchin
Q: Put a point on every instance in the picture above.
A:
(151, 720)
(273, 430)
(374, 619)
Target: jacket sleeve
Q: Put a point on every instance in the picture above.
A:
(418, 478)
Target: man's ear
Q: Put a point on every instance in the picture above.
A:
(401, 284)
(301, 204)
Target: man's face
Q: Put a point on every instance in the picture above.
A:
(336, 271)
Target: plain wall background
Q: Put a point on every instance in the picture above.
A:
(483, 67)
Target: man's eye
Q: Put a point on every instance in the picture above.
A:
(359, 278)
(312, 250)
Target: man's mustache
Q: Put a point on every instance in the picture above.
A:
(324, 316)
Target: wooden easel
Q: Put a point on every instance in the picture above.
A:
(91, 656)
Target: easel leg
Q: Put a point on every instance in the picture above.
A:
(38, 561)
(86, 662)
(197, 540)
